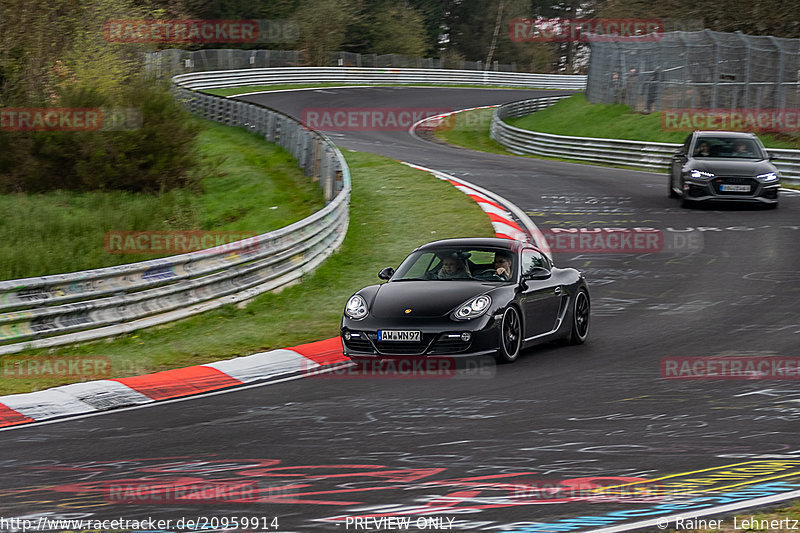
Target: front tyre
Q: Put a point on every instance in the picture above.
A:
(510, 336)
(672, 193)
(580, 318)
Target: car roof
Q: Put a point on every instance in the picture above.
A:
(718, 133)
(493, 242)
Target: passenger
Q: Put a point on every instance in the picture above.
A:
(453, 267)
(740, 149)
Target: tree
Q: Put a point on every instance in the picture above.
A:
(324, 27)
(765, 17)
(397, 29)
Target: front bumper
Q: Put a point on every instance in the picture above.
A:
(710, 190)
(439, 338)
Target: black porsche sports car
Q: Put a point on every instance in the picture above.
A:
(723, 166)
(467, 297)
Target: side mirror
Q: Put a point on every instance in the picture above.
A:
(386, 273)
(536, 273)
(771, 156)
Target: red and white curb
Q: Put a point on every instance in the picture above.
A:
(434, 121)
(102, 395)
(501, 212)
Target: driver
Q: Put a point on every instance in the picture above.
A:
(502, 266)
(703, 150)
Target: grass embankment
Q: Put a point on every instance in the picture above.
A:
(576, 117)
(387, 220)
(470, 129)
(248, 186)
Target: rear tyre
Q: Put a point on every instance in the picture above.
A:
(581, 311)
(771, 206)
(510, 336)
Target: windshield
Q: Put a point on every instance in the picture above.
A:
(458, 263)
(728, 147)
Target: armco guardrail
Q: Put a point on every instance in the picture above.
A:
(80, 306)
(635, 154)
(301, 75)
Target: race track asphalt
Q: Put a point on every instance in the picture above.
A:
(509, 448)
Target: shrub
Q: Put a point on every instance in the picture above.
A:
(157, 156)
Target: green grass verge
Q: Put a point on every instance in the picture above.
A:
(387, 221)
(576, 117)
(470, 129)
(233, 91)
(248, 186)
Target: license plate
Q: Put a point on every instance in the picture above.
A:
(399, 335)
(734, 188)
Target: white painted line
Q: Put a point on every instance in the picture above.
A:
(665, 520)
(299, 89)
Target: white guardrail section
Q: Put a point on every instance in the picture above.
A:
(637, 154)
(371, 76)
(58, 309)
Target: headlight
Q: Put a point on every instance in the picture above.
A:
(473, 308)
(699, 174)
(769, 176)
(356, 307)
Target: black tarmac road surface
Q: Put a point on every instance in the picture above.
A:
(522, 447)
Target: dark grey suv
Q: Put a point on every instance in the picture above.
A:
(724, 166)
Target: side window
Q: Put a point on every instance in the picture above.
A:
(421, 266)
(532, 259)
